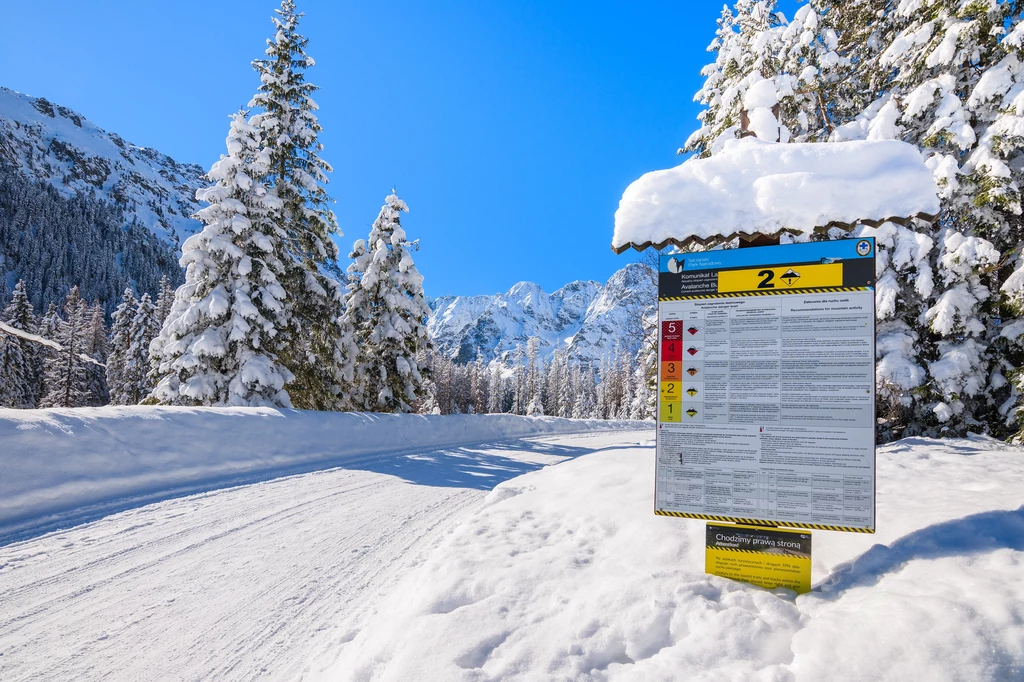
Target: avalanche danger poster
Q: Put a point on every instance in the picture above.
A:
(767, 386)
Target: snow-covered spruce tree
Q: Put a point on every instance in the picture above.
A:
(553, 383)
(14, 373)
(765, 65)
(136, 382)
(49, 326)
(496, 389)
(320, 349)
(221, 342)
(164, 301)
(117, 347)
(942, 80)
(943, 75)
(67, 377)
(478, 388)
(386, 309)
(20, 377)
(96, 348)
(745, 46)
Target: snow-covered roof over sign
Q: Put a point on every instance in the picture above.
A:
(754, 187)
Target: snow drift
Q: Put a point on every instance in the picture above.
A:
(62, 466)
(566, 574)
(756, 186)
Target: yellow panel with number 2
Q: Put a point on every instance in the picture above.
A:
(781, 278)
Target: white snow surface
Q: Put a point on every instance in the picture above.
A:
(53, 144)
(566, 574)
(479, 562)
(755, 186)
(59, 466)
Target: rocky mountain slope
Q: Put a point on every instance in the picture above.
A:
(585, 318)
(81, 206)
(55, 145)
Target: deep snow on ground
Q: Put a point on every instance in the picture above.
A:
(60, 467)
(566, 574)
(479, 562)
(252, 582)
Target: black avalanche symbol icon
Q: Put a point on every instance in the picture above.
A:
(691, 392)
(692, 412)
(693, 351)
(693, 330)
(692, 371)
(790, 277)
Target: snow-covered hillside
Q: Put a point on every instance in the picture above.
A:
(585, 318)
(51, 143)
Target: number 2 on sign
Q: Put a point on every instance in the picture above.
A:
(766, 283)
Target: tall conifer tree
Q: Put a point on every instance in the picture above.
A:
(319, 350)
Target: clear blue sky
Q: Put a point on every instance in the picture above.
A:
(510, 128)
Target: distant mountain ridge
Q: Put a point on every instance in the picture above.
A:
(53, 144)
(586, 319)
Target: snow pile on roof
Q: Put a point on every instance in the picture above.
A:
(753, 186)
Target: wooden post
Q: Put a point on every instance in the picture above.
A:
(758, 240)
(745, 130)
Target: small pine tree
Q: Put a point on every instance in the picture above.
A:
(164, 301)
(136, 383)
(20, 375)
(49, 328)
(221, 341)
(496, 388)
(96, 348)
(67, 376)
(120, 341)
(386, 308)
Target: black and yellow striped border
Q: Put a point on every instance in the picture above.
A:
(762, 522)
(766, 292)
(736, 549)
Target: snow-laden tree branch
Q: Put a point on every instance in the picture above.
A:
(35, 338)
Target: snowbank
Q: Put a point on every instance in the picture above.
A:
(755, 186)
(62, 466)
(567, 574)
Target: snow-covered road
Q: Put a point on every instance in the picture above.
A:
(258, 581)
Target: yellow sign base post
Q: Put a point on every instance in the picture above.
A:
(764, 556)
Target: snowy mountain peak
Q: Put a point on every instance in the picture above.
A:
(51, 143)
(587, 319)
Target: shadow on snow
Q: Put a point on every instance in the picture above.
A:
(975, 534)
(475, 467)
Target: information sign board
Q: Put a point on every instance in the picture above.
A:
(766, 410)
(767, 557)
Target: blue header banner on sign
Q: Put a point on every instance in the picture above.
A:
(810, 252)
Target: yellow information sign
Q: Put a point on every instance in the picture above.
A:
(781, 278)
(768, 557)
